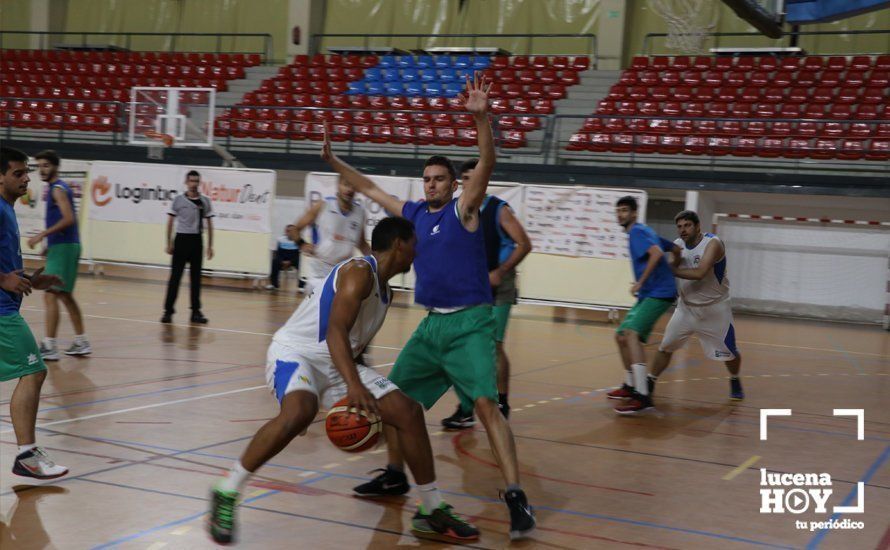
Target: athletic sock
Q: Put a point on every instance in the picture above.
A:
(629, 378)
(502, 399)
(639, 373)
(430, 496)
(651, 379)
(396, 468)
(236, 480)
(49, 342)
(514, 487)
(80, 338)
(26, 448)
(733, 376)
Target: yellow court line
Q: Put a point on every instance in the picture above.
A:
(157, 545)
(186, 528)
(741, 468)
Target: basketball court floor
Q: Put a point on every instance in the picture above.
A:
(158, 412)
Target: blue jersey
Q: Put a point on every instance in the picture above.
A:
(10, 256)
(660, 283)
(498, 245)
(54, 214)
(450, 263)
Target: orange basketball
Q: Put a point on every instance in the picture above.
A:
(351, 430)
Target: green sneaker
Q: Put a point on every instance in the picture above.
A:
(221, 523)
(444, 522)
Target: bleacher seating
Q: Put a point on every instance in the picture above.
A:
(833, 95)
(62, 88)
(524, 89)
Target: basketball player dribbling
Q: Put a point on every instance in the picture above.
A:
(311, 363)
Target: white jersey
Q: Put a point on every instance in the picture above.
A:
(335, 234)
(307, 328)
(711, 289)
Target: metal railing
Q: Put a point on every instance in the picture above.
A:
(713, 40)
(214, 41)
(366, 40)
(549, 141)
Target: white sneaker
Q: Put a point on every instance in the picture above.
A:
(79, 348)
(37, 464)
(49, 354)
(271, 287)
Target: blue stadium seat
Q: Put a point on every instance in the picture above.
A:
(388, 62)
(461, 75)
(375, 87)
(481, 62)
(413, 89)
(394, 88)
(433, 89)
(373, 74)
(429, 75)
(453, 88)
(462, 62)
(442, 61)
(448, 75)
(357, 87)
(405, 61)
(410, 74)
(424, 62)
(390, 75)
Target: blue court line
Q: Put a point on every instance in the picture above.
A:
(186, 519)
(242, 505)
(849, 357)
(488, 499)
(144, 394)
(866, 477)
(68, 478)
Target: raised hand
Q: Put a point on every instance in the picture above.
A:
(475, 96)
(326, 153)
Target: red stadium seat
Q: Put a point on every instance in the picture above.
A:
(860, 63)
(879, 149)
(836, 63)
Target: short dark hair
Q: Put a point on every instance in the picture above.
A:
(49, 155)
(192, 173)
(388, 230)
(627, 201)
(440, 160)
(687, 215)
(7, 155)
(468, 165)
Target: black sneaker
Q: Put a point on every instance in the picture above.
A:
(445, 523)
(522, 517)
(459, 420)
(167, 318)
(198, 317)
(221, 522)
(735, 389)
(389, 483)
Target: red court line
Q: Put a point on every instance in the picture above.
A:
(884, 544)
(460, 449)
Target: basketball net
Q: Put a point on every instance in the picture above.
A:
(688, 22)
(161, 140)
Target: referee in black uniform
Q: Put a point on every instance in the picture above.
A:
(190, 210)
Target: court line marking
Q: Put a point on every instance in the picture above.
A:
(186, 528)
(234, 331)
(741, 468)
(143, 407)
(203, 327)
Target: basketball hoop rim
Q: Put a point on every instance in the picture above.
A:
(166, 139)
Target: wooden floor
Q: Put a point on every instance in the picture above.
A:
(157, 412)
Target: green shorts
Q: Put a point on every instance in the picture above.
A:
(457, 350)
(643, 316)
(62, 260)
(501, 316)
(506, 292)
(19, 355)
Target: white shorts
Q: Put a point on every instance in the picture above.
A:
(712, 324)
(287, 370)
